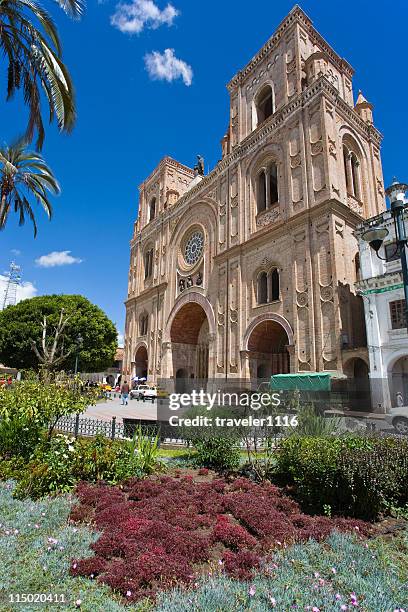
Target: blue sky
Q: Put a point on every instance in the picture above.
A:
(128, 121)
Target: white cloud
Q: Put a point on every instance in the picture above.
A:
(134, 17)
(15, 252)
(167, 67)
(57, 258)
(121, 339)
(24, 291)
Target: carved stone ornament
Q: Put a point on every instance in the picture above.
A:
(317, 147)
(295, 161)
(269, 217)
(302, 299)
(326, 293)
(234, 316)
(354, 204)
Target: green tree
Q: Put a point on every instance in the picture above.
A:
(24, 176)
(31, 49)
(21, 325)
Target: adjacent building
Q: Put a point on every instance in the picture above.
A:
(380, 284)
(251, 270)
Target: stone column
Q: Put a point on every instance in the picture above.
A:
(166, 364)
(245, 369)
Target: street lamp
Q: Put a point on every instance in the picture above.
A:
(375, 236)
(79, 343)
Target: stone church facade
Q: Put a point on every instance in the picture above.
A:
(250, 270)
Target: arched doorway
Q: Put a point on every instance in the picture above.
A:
(141, 362)
(398, 382)
(357, 372)
(189, 335)
(268, 350)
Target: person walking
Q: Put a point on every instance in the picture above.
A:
(125, 393)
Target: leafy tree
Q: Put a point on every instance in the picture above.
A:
(24, 175)
(21, 325)
(31, 48)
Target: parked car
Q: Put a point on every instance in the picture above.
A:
(149, 394)
(398, 418)
(138, 391)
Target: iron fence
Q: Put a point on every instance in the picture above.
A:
(90, 427)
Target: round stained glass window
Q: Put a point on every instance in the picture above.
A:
(194, 248)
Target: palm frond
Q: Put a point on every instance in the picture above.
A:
(24, 176)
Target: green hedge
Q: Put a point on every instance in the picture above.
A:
(354, 476)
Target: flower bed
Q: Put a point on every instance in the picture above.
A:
(37, 547)
(161, 532)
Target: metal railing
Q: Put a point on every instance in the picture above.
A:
(89, 427)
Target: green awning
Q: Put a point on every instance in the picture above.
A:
(310, 381)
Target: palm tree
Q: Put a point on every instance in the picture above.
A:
(24, 175)
(31, 46)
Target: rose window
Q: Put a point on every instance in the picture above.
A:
(194, 248)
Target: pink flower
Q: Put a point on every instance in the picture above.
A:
(333, 570)
(128, 593)
(343, 607)
(353, 598)
(74, 565)
(78, 603)
(272, 601)
(337, 596)
(252, 590)
(315, 609)
(316, 574)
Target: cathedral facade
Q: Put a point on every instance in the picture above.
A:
(250, 270)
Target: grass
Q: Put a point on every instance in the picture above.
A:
(311, 576)
(30, 562)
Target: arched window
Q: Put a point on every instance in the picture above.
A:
(352, 172)
(273, 184)
(262, 288)
(267, 194)
(152, 209)
(355, 173)
(268, 286)
(264, 104)
(143, 324)
(148, 263)
(274, 282)
(345, 161)
(261, 192)
(357, 267)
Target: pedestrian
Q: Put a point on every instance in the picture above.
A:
(125, 393)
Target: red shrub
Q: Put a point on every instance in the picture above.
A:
(232, 535)
(241, 564)
(88, 567)
(159, 532)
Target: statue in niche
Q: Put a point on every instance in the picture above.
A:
(199, 167)
(199, 279)
(189, 282)
(182, 284)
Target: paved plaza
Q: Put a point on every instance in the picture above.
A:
(136, 409)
